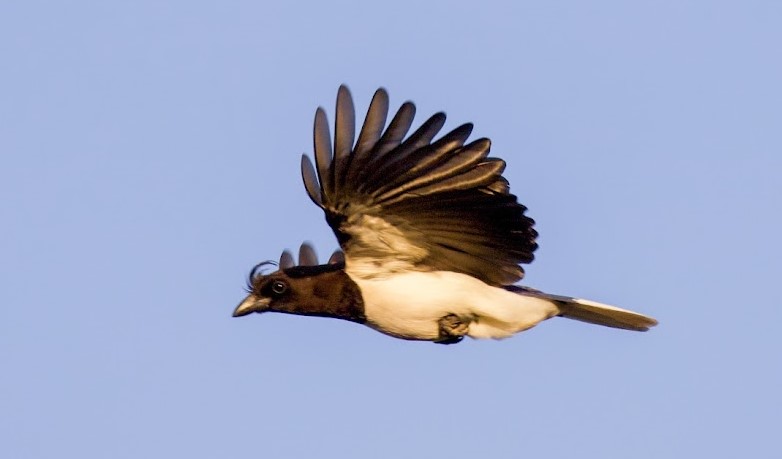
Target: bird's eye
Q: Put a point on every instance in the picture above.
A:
(279, 287)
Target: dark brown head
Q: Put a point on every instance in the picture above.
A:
(321, 290)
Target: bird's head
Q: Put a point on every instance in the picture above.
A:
(295, 290)
(309, 290)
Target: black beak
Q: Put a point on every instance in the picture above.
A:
(251, 304)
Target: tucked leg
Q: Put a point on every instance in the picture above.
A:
(452, 329)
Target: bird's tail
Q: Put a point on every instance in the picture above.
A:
(594, 312)
(603, 314)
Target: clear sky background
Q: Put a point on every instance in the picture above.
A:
(149, 156)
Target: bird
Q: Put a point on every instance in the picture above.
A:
(431, 238)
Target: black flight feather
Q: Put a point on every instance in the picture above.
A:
(396, 130)
(460, 161)
(425, 158)
(379, 153)
(286, 260)
(345, 132)
(310, 178)
(337, 257)
(370, 134)
(323, 155)
(404, 155)
(307, 255)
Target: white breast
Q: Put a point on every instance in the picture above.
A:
(410, 304)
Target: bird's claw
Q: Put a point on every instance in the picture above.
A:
(452, 329)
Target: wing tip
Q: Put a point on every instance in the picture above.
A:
(310, 179)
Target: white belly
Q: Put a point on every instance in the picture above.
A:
(409, 305)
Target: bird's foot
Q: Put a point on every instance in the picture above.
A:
(452, 329)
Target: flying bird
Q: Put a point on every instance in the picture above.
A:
(431, 238)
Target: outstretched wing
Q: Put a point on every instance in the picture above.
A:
(399, 203)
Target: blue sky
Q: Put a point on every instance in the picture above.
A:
(149, 157)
